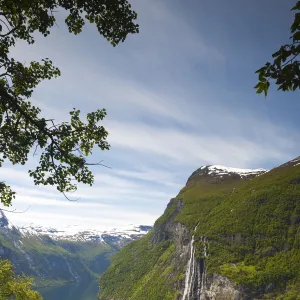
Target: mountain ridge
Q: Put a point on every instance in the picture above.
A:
(73, 233)
(230, 237)
(218, 172)
(53, 259)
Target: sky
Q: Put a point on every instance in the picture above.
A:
(179, 95)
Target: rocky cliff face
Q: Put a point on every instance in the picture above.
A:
(196, 284)
(229, 234)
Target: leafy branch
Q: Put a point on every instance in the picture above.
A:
(64, 148)
(285, 69)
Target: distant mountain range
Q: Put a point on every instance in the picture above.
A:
(115, 237)
(54, 256)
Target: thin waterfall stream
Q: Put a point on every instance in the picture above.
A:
(202, 275)
(195, 269)
(190, 271)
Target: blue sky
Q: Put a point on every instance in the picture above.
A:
(178, 95)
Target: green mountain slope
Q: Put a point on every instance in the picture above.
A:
(53, 260)
(246, 242)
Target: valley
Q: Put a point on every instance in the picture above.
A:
(146, 150)
(70, 255)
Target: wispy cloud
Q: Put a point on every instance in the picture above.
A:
(169, 112)
(113, 200)
(193, 146)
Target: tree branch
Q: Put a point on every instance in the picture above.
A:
(11, 25)
(14, 210)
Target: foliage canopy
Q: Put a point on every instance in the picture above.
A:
(285, 68)
(64, 147)
(15, 287)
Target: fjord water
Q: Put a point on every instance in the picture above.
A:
(82, 291)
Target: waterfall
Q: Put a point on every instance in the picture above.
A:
(195, 269)
(202, 272)
(190, 271)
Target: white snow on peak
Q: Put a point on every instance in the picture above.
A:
(75, 233)
(222, 170)
(5, 221)
(296, 161)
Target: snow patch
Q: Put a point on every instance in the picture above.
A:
(4, 222)
(222, 170)
(296, 159)
(75, 233)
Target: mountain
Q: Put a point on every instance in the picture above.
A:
(55, 256)
(116, 237)
(229, 234)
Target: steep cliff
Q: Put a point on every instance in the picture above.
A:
(229, 234)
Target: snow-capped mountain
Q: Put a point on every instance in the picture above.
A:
(75, 233)
(218, 172)
(62, 255)
(3, 220)
(222, 170)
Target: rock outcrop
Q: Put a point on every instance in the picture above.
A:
(229, 234)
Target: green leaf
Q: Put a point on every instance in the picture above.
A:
(266, 88)
(297, 6)
(296, 36)
(63, 149)
(260, 70)
(277, 61)
(262, 77)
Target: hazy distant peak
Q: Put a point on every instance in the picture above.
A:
(74, 233)
(3, 220)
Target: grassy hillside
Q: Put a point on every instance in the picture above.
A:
(137, 268)
(54, 262)
(253, 232)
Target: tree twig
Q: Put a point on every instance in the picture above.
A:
(14, 210)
